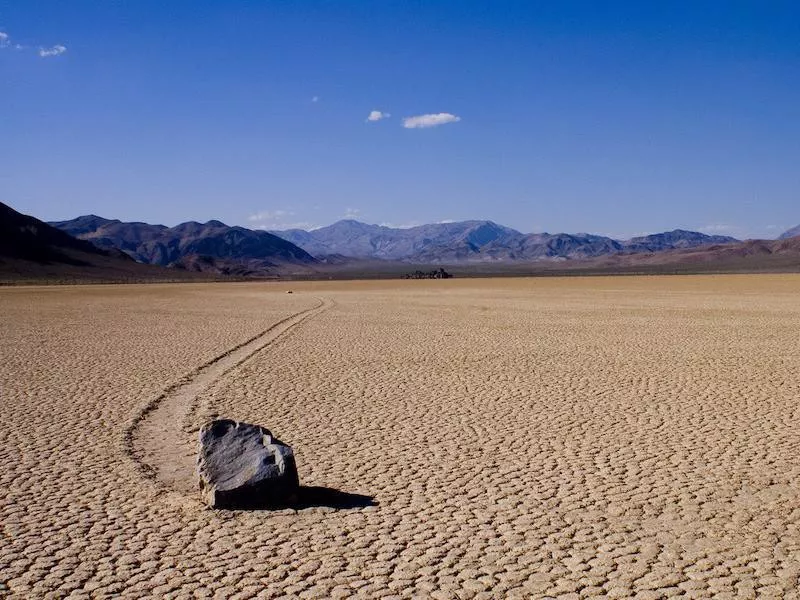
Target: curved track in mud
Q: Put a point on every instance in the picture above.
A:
(160, 439)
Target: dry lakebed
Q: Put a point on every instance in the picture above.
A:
(468, 438)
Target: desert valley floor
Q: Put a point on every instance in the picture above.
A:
(544, 437)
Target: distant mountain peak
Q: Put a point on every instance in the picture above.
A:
(790, 233)
(352, 238)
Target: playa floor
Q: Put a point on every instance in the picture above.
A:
(543, 437)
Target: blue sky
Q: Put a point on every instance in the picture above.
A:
(618, 118)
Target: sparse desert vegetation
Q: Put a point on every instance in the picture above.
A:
(575, 437)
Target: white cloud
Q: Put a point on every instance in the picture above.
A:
(351, 213)
(430, 120)
(315, 99)
(401, 225)
(279, 220)
(5, 42)
(721, 229)
(377, 115)
(269, 215)
(284, 225)
(53, 51)
(614, 235)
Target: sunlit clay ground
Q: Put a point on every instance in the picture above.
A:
(490, 438)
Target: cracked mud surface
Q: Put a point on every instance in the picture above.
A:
(625, 437)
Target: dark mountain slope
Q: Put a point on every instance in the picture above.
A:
(157, 244)
(27, 238)
(33, 251)
(81, 225)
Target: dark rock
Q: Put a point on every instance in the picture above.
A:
(242, 465)
(435, 274)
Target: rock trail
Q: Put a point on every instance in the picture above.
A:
(161, 437)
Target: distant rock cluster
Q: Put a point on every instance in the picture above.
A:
(435, 274)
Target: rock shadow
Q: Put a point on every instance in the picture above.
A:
(310, 497)
(325, 497)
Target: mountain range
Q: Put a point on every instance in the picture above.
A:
(477, 241)
(126, 251)
(211, 246)
(214, 246)
(31, 250)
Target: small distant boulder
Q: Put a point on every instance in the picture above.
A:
(243, 466)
